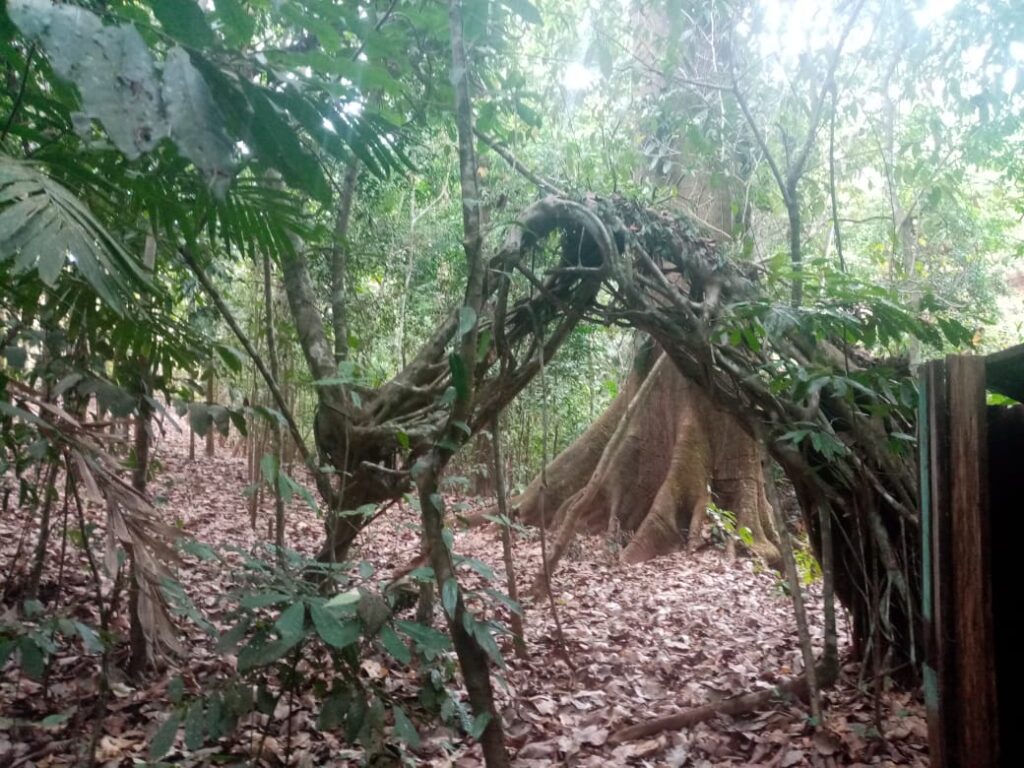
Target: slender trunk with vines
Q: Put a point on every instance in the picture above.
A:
(515, 620)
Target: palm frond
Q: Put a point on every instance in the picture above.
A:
(44, 227)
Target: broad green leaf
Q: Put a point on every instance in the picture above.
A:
(476, 730)
(238, 25)
(505, 600)
(460, 376)
(33, 663)
(90, 639)
(483, 345)
(184, 20)
(163, 739)
(344, 599)
(215, 716)
(110, 65)
(194, 122)
(404, 729)
(277, 144)
(393, 645)
(291, 622)
(332, 712)
(482, 632)
(426, 638)
(229, 640)
(480, 567)
(449, 596)
(261, 653)
(268, 468)
(467, 319)
(176, 689)
(51, 721)
(40, 220)
(194, 726)
(331, 630)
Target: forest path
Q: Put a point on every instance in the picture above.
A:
(679, 631)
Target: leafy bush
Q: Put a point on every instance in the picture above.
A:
(307, 626)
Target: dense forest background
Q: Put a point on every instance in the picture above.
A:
(397, 257)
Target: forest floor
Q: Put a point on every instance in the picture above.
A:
(645, 641)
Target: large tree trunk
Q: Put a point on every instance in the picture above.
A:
(650, 466)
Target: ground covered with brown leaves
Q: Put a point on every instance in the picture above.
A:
(644, 641)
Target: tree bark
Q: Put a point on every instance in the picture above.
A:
(275, 428)
(515, 619)
(339, 263)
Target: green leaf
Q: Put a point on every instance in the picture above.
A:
(263, 599)
(194, 123)
(194, 726)
(404, 729)
(332, 713)
(460, 376)
(467, 319)
(277, 143)
(33, 663)
(52, 721)
(479, 566)
(426, 638)
(331, 630)
(476, 730)
(483, 345)
(393, 644)
(229, 640)
(200, 419)
(46, 221)
(344, 599)
(269, 468)
(505, 600)
(185, 21)
(261, 653)
(482, 632)
(238, 25)
(422, 574)
(90, 639)
(292, 620)
(356, 716)
(403, 439)
(450, 596)
(162, 740)
(448, 397)
(110, 65)
(215, 717)
(176, 689)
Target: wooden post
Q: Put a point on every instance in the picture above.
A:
(960, 674)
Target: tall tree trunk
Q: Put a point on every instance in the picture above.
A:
(210, 449)
(339, 263)
(275, 428)
(472, 657)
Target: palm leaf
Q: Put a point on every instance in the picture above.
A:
(44, 227)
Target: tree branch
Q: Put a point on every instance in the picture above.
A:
(229, 318)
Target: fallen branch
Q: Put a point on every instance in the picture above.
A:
(734, 705)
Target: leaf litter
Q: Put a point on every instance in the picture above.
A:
(645, 641)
